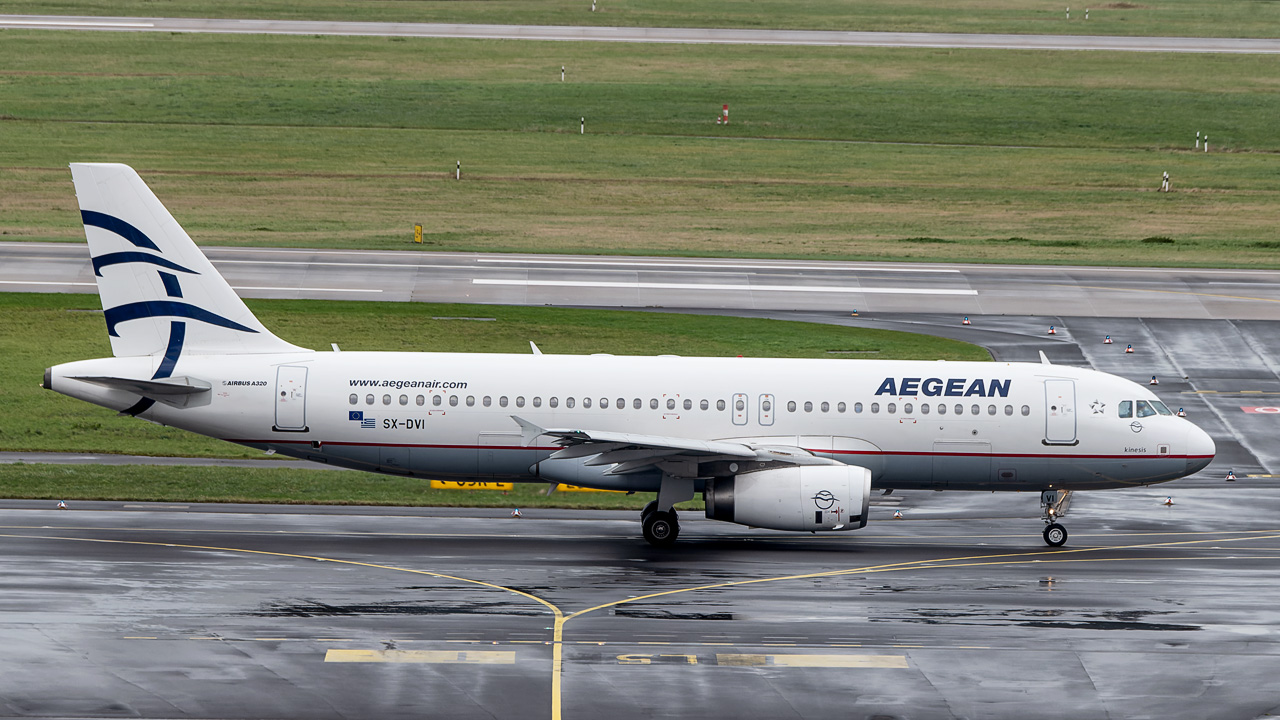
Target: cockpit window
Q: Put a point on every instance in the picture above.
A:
(1160, 408)
(1126, 408)
(1145, 409)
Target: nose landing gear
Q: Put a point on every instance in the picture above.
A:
(1055, 504)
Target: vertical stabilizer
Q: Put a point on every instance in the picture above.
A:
(160, 294)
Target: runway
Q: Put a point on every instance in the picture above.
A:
(694, 283)
(957, 611)
(648, 35)
(162, 610)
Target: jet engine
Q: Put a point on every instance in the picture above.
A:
(806, 497)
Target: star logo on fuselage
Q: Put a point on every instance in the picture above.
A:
(1098, 407)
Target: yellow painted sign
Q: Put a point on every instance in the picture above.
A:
(458, 657)
(417, 234)
(461, 485)
(578, 488)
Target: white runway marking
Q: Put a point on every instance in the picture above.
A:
(88, 24)
(640, 264)
(694, 286)
(38, 282)
(234, 287)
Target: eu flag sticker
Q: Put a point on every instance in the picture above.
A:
(355, 415)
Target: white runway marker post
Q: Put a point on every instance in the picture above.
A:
(459, 175)
(561, 73)
(1086, 13)
(1197, 139)
(1206, 143)
(1068, 13)
(583, 129)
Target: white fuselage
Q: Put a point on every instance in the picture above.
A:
(937, 425)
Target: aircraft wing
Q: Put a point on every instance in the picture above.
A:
(633, 452)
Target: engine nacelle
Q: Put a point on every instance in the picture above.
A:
(806, 497)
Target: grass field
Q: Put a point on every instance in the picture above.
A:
(1232, 18)
(280, 485)
(836, 153)
(37, 331)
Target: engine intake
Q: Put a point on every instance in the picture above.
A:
(807, 497)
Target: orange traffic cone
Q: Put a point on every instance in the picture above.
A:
(1052, 330)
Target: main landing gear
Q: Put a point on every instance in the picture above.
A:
(1055, 504)
(658, 520)
(660, 528)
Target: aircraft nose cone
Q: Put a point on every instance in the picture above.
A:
(1200, 450)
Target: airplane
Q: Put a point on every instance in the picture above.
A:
(786, 444)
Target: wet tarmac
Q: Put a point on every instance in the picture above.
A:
(956, 611)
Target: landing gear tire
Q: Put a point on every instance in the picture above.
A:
(648, 509)
(660, 528)
(1055, 535)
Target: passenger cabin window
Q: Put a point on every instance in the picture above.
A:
(502, 401)
(471, 401)
(791, 406)
(720, 405)
(554, 402)
(368, 399)
(1026, 410)
(975, 410)
(436, 400)
(386, 399)
(1126, 408)
(653, 403)
(824, 407)
(703, 405)
(808, 406)
(420, 401)
(537, 401)
(488, 401)
(840, 407)
(942, 409)
(622, 404)
(453, 400)
(959, 409)
(857, 407)
(354, 398)
(907, 408)
(519, 401)
(740, 405)
(688, 404)
(1008, 410)
(924, 408)
(891, 408)
(404, 399)
(1145, 409)
(875, 407)
(671, 404)
(637, 404)
(568, 402)
(604, 403)
(586, 402)
(991, 409)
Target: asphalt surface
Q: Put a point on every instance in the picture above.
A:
(694, 283)
(958, 610)
(648, 35)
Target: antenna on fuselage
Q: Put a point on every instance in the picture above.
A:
(1044, 359)
(534, 348)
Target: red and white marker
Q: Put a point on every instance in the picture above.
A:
(1231, 476)
(1154, 381)
(62, 504)
(1107, 340)
(965, 321)
(1053, 330)
(1168, 501)
(897, 514)
(1128, 349)
(1182, 413)
(723, 117)
(516, 513)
